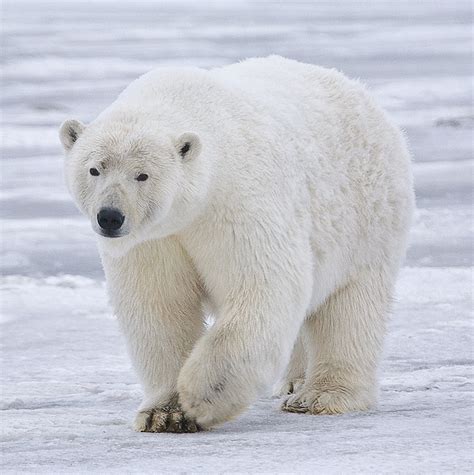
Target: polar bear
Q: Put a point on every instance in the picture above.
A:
(276, 194)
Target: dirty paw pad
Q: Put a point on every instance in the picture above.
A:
(165, 420)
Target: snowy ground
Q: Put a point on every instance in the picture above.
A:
(68, 393)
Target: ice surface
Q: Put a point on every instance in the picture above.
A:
(68, 393)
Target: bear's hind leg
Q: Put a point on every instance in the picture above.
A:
(343, 340)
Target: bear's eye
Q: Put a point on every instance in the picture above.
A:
(185, 149)
(142, 177)
(94, 172)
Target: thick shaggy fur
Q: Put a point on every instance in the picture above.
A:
(279, 195)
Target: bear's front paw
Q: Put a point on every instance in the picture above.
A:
(211, 395)
(165, 419)
(201, 401)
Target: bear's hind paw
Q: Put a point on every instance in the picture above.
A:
(328, 401)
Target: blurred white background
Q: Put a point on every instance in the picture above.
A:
(68, 392)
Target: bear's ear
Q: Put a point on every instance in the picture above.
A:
(69, 132)
(188, 146)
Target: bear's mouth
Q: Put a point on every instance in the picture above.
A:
(110, 234)
(113, 236)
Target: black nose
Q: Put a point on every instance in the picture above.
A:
(110, 219)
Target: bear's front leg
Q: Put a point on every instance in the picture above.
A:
(259, 315)
(156, 295)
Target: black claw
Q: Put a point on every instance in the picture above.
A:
(190, 426)
(175, 422)
(162, 427)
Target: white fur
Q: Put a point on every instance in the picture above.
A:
(289, 215)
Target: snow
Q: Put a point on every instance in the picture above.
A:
(68, 391)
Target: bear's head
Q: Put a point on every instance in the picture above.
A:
(132, 181)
